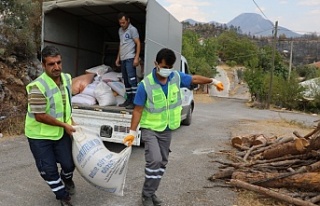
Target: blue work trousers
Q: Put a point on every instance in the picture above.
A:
(130, 78)
(47, 153)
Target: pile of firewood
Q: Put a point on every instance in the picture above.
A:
(261, 163)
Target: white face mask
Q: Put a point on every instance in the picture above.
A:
(164, 72)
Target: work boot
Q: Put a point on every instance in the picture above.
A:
(66, 201)
(147, 201)
(69, 185)
(156, 201)
(125, 103)
(130, 106)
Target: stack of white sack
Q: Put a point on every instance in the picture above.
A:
(102, 168)
(99, 84)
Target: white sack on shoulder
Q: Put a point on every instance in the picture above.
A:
(102, 168)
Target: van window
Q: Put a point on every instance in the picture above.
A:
(186, 68)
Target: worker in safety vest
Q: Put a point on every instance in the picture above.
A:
(48, 125)
(158, 110)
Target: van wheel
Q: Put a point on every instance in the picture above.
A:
(187, 121)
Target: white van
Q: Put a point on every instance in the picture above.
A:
(86, 33)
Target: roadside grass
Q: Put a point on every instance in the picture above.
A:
(13, 125)
(295, 123)
(12, 117)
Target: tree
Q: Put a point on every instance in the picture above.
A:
(21, 24)
(201, 53)
(255, 79)
(265, 62)
(237, 49)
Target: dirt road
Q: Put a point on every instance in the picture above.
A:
(185, 182)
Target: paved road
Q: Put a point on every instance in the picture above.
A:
(185, 182)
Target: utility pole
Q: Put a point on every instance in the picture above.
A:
(290, 62)
(273, 58)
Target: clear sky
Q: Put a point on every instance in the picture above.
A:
(301, 16)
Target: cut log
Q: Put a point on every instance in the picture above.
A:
(315, 199)
(309, 168)
(313, 133)
(313, 167)
(301, 144)
(237, 140)
(278, 142)
(242, 141)
(283, 163)
(298, 146)
(287, 157)
(252, 149)
(270, 193)
(260, 140)
(296, 133)
(284, 139)
(314, 144)
(240, 147)
(306, 181)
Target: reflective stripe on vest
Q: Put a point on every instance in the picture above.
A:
(161, 111)
(55, 108)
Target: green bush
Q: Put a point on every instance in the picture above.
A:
(286, 93)
(308, 72)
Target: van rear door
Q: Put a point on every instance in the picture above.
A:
(162, 31)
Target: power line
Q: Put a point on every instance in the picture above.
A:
(262, 12)
(261, 31)
(304, 32)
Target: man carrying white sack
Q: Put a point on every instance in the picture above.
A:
(158, 109)
(48, 125)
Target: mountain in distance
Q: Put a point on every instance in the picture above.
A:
(253, 24)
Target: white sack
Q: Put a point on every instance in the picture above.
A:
(83, 99)
(104, 95)
(118, 87)
(111, 76)
(102, 168)
(99, 70)
(120, 100)
(89, 89)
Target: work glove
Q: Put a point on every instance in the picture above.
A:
(217, 84)
(128, 140)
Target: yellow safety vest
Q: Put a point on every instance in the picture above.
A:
(55, 108)
(161, 111)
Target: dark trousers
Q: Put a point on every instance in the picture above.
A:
(157, 147)
(130, 78)
(47, 153)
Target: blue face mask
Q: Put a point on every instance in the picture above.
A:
(164, 72)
